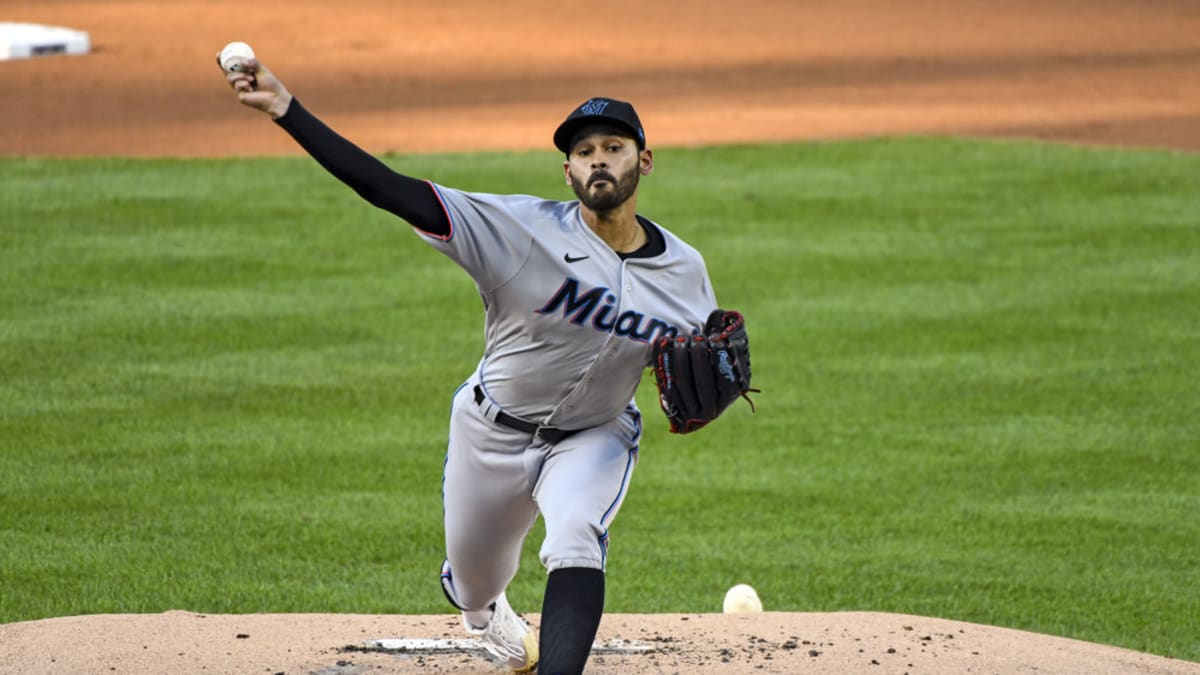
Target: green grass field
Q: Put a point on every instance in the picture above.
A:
(224, 388)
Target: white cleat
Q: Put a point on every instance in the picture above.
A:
(507, 637)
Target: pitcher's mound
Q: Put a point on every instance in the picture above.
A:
(343, 644)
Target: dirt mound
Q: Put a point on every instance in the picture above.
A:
(770, 642)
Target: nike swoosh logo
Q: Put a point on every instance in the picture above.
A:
(567, 257)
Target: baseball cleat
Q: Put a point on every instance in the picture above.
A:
(507, 637)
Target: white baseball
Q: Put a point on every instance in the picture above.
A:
(742, 599)
(235, 55)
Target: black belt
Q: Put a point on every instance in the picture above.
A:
(548, 434)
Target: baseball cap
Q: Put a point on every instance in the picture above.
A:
(600, 110)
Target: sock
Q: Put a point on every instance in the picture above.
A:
(479, 618)
(571, 611)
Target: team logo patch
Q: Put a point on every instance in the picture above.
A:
(724, 366)
(593, 107)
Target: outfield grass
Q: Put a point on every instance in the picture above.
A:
(224, 388)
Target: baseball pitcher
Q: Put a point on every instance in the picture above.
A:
(580, 297)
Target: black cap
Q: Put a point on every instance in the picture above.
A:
(600, 110)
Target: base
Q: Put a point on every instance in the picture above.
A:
(27, 40)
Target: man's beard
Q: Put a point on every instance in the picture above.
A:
(610, 199)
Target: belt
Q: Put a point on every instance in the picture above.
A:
(548, 434)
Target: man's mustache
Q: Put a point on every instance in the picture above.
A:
(602, 175)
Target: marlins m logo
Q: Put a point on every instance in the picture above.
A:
(594, 107)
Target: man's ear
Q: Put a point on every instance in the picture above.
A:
(646, 161)
(567, 172)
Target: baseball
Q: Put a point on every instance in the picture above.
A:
(235, 55)
(742, 599)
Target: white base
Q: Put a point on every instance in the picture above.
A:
(27, 40)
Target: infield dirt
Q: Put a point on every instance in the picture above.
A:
(479, 75)
(475, 75)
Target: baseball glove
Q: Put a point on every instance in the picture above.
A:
(700, 375)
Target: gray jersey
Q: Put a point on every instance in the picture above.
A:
(569, 324)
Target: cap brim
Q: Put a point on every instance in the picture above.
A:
(567, 130)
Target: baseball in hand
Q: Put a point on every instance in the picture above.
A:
(235, 55)
(742, 599)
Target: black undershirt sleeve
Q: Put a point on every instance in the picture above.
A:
(409, 198)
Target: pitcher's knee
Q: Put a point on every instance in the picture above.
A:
(582, 545)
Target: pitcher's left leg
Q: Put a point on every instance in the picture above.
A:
(582, 485)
